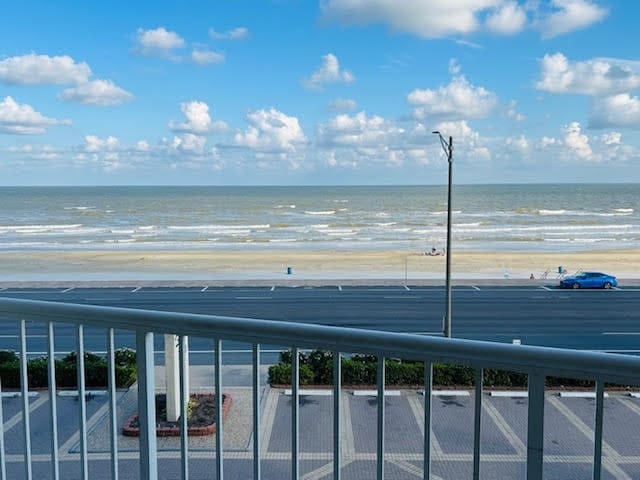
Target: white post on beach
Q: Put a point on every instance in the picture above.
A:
(172, 377)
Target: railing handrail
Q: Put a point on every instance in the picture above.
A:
(608, 367)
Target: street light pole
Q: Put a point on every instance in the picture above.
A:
(448, 149)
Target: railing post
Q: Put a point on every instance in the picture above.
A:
(535, 427)
(337, 376)
(428, 387)
(597, 440)
(295, 406)
(146, 406)
(24, 390)
(53, 409)
(380, 447)
(256, 412)
(219, 426)
(3, 464)
(184, 404)
(82, 404)
(113, 410)
(477, 424)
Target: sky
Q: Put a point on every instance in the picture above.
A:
(329, 92)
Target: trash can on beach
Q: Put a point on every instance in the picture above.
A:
(288, 270)
(560, 269)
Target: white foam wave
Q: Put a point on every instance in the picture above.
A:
(385, 224)
(218, 228)
(444, 212)
(319, 212)
(624, 210)
(282, 240)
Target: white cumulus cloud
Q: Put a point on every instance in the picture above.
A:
(158, 42)
(271, 131)
(35, 69)
(458, 100)
(622, 110)
(341, 104)
(358, 130)
(93, 143)
(577, 142)
(509, 19)
(97, 92)
(428, 19)
(198, 119)
(206, 57)
(328, 72)
(22, 119)
(566, 16)
(597, 76)
(238, 33)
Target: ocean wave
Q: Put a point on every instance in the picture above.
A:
(81, 208)
(385, 224)
(320, 212)
(44, 228)
(624, 210)
(282, 240)
(218, 228)
(444, 212)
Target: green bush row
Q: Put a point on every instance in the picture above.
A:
(316, 368)
(95, 369)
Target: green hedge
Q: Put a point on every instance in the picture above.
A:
(95, 368)
(316, 368)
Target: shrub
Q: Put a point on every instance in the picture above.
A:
(317, 367)
(95, 369)
(8, 356)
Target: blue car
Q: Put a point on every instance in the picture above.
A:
(589, 280)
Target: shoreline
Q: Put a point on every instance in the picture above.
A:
(309, 265)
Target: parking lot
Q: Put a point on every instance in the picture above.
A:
(569, 424)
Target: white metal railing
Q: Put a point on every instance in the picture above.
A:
(536, 362)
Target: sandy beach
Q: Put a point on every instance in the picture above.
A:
(128, 265)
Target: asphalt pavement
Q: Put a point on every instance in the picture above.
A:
(537, 314)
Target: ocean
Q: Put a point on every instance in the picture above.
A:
(485, 217)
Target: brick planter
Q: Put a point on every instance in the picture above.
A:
(129, 430)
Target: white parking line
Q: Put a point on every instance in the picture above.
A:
(135, 289)
(474, 287)
(509, 394)
(74, 393)
(319, 393)
(580, 395)
(545, 288)
(253, 298)
(272, 288)
(67, 290)
(616, 288)
(407, 288)
(18, 394)
(340, 288)
(620, 333)
(374, 393)
(400, 297)
(205, 289)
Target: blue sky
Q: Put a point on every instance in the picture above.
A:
(330, 92)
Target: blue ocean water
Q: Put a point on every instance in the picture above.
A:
(485, 217)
